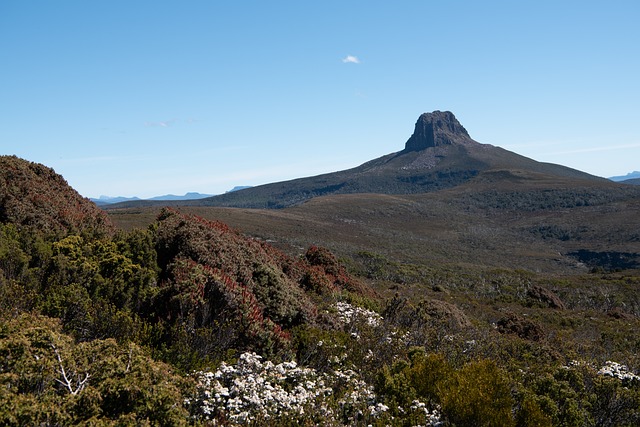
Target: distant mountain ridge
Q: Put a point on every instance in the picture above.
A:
(440, 154)
(187, 196)
(107, 200)
(629, 176)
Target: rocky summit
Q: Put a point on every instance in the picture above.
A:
(440, 154)
(436, 129)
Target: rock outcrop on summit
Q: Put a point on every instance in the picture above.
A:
(437, 129)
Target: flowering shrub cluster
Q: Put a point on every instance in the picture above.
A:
(617, 370)
(221, 290)
(254, 391)
(348, 313)
(610, 369)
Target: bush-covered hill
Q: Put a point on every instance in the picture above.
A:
(34, 196)
(190, 322)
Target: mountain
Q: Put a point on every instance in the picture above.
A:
(630, 175)
(187, 196)
(107, 200)
(446, 198)
(440, 154)
(635, 181)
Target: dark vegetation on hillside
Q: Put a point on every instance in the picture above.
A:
(106, 327)
(34, 196)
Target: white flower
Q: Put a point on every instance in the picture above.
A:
(253, 388)
(348, 313)
(617, 370)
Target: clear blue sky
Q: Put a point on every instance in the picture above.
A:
(153, 97)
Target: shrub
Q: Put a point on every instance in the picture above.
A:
(46, 378)
(479, 394)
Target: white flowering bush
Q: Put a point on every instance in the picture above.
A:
(348, 313)
(617, 370)
(431, 418)
(255, 391)
(610, 369)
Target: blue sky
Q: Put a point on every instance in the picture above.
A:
(155, 97)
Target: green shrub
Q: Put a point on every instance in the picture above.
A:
(478, 394)
(46, 378)
(530, 414)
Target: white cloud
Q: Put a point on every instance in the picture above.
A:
(350, 59)
(163, 123)
(169, 123)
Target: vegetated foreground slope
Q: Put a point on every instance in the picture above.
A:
(94, 326)
(188, 321)
(514, 268)
(529, 271)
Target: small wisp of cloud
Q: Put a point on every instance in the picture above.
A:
(162, 124)
(169, 123)
(350, 59)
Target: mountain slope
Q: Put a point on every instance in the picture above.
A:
(500, 221)
(634, 181)
(440, 154)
